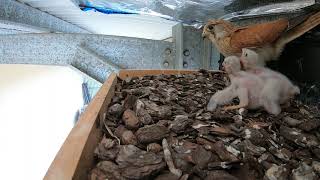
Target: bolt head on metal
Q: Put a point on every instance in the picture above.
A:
(165, 64)
(186, 52)
(185, 64)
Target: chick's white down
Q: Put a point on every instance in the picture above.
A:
(277, 86)
(248, 87)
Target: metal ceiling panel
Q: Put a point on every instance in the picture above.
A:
(132, 25)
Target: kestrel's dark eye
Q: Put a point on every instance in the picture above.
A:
(210, 27)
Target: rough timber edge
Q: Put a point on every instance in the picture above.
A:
(139, 73)
(75, 155)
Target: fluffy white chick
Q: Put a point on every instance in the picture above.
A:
(246, 86)
(277, 86)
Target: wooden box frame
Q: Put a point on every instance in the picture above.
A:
(75, 157)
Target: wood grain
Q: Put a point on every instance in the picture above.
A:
(139, 73)
(75, 157)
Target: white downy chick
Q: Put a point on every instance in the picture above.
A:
(246, 86)
(278, 86)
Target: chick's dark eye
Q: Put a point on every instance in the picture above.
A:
(246, 55)
(210, 27)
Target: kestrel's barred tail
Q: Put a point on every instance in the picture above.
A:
(307, 25)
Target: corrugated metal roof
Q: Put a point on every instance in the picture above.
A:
(114, 24)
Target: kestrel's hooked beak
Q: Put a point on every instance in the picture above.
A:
(204, 35)
(223, 68)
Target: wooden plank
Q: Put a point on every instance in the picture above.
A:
(75, 157)
(139, 73)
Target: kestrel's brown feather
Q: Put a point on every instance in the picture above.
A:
(229, 27)
(258, 35)
(268, 39)
(299, 30)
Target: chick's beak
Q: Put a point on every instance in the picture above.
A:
(223, 68)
